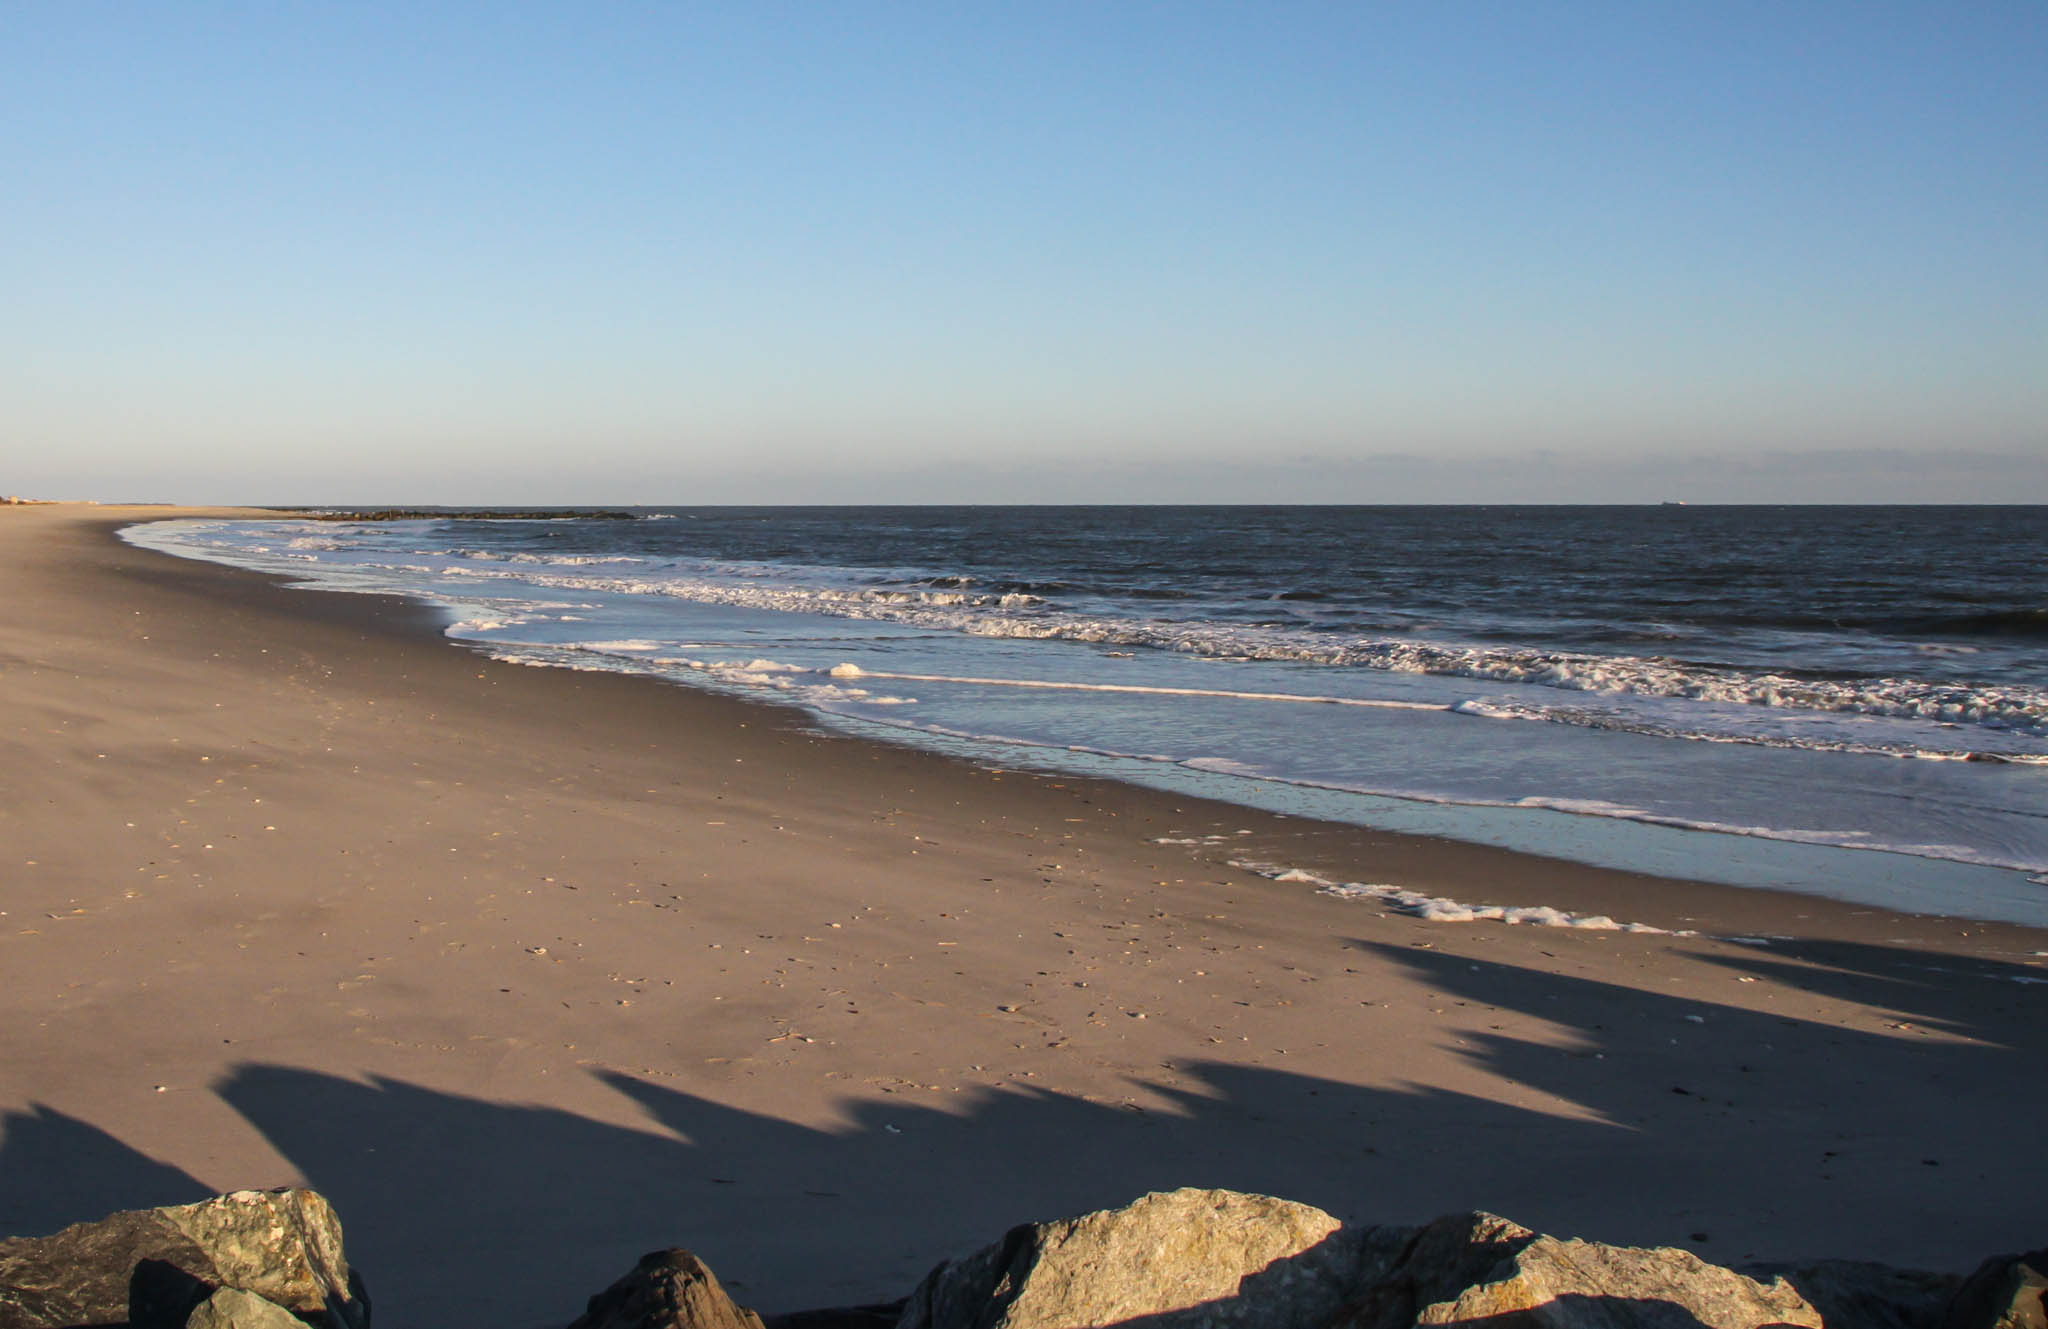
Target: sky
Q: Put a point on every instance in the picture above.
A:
(1099, 251)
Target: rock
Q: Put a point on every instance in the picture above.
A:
(284, 1246)
(1479, 1267)
(232, 1308)
(669, 1289)
(1185, 1259)
(2006, 1292)
(1853, 1294)
(1584, 1285)
(1437, 1263)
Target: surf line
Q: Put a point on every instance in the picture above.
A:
(855, 671)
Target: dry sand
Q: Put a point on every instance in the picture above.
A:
(531, 971)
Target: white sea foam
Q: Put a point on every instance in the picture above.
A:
(547, 560)
(781, 676)
(534, 661)
(1489, 709)
(630, 645)
(634, 656)
(1231, 766)
(2018, 709)
(1442, 909)
(757, 666)
(1742, 729)
(1062, 685)
(478, 624)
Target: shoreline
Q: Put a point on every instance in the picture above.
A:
(1953, 839)
(603, 963)
(1407, 860)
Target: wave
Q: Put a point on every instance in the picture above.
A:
(953, 581)
(2016, 708)
(1005, 609)
(1485, 708)
(1158, 690)
(556, 560)
(1495, 708)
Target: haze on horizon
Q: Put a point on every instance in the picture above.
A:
(1060, 252)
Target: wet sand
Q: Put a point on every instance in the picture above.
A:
(531, 971)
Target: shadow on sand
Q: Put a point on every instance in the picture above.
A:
(56, 1170)
(1655, 1119)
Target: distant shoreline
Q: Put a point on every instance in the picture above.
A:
(462, 514)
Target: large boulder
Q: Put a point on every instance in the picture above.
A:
(1473, 1267)
(283, 1246)
(669, 1289)
(1186, 1259)
(1857, 1294)
(1196, 1259)
(2006, 1292)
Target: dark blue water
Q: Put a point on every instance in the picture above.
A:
(1938, 593)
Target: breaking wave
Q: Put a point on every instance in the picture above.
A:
(2014, 708)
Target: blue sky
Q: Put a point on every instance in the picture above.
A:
(854, 252)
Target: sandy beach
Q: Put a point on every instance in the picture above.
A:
(531, 971)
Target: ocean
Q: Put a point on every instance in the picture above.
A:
(1842, 701)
